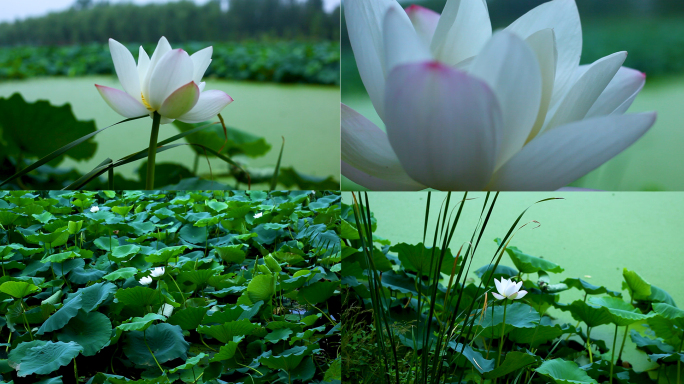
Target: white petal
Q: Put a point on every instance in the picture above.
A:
(521, 294)
(365, 147)
(463, 30)
(174, 70)
(444, 125)
(510, 289)
(124, 64)
(121, 102)
(201, 86)
(499, 285)
(181, 101)
(424, 21)
(510, 67)
(201, 60)
(498, 296)
(143, 64)
(619, 94)
(543, 43)
(163, 47)
(374, 183)
(561, 16)
(564, 154)
(364, 23)
(586, 90)
(210, 104)
(401, 42)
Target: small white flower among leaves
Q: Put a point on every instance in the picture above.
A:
(146, 280)
(156, 272)
(94, 209)
(258, 215)
(508, 289)
(166, 310)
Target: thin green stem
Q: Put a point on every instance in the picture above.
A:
(23, 313)
(177, 287)
(151, 353)
(679, 362)
(612, 354)
(75, 370)
(623, 342)
(591, 356)
(152, 151)
(503, 330)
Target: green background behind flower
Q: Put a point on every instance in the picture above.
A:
(652, 31)
(283, 76)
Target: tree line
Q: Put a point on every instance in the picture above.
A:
(182, 21)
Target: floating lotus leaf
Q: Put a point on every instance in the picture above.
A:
(140, 323)
(59, 257)
(163, 255)
(18, 353)
(121, 274)
(45, 359)
(188, 318)
(225, 332)
(96, 294)
(165, 340)
(124, 252)
(90, 330)
(564, 372)
(589, 288)
(139, 296)
(60, 318)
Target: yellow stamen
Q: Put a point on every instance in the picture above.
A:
(147, 105)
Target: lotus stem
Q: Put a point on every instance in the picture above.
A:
(151, 353)
(179, 290)
(75, 370)
(624, 337)
(591, 357)
(23, 313)
(679, 362)
(612, 354)
(152, 151)
(503, 330)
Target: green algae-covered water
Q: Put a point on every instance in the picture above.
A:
(307, 116)
(592, 235)
(654, 163)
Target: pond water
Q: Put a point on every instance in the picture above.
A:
(652, 163)
(307, 116)
(592, 235)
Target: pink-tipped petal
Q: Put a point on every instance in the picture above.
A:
(444, 125)
(521, 294)
(210, 104)
(496, 295)
(125, 67)
(366, 148)
(463, 29)
(402, 44)
(375, 183)
(424, 22)
(174, 70)
(121, 102)
(518, 91)
(180, 101)
(564, 154)
(619, 94)
(201, 60)
(563, 17)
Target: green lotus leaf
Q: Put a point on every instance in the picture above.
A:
(45, 359)
(188, 318)
(416, 257)
(306, 335)
(231, 253)
(43, 217)
(530, 264)
(656, 346)
(59, 257)
(95, 295)
(217, 206)
(121, 274)
(18, 289)
(514, 361)
(261, 288)
(74, 227)
(54, 239)
(564, 372)
(665, 310)
(165, 254)
(638, 287)
(139, 296)
(666, 329)
(106, 243)
(659, 295)
(227, 351)
(592, 315)
(589, 288)
(189, 363)
(164, 340)
(318, 292)
(124, 252)
(79, 275)
(287, 360)
(61, 269)
(192, 234)
(278, 334)
(225, 332)
(621, 312)
(122, 210)
(518, 315)
(237, 312)
(90, 330)
(7, 217)
(18, 353)
(140, 323)
(60, 318)
(208, 221)
(199, 276)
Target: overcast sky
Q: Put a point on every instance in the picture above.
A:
(11, 10)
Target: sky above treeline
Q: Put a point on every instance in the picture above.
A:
(11, 10)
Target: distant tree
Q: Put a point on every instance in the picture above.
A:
(83, 4)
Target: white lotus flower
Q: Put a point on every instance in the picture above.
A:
(165, 310)
(258, 215)
(508, 289)
(156, 272)
(145, 280)
(468, 110)
(169, 83)
(94, 209)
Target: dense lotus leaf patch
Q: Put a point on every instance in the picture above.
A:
(159, 287)
(564, 372)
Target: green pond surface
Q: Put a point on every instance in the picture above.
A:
(652, 163)
(592, 235)
(307, 116)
